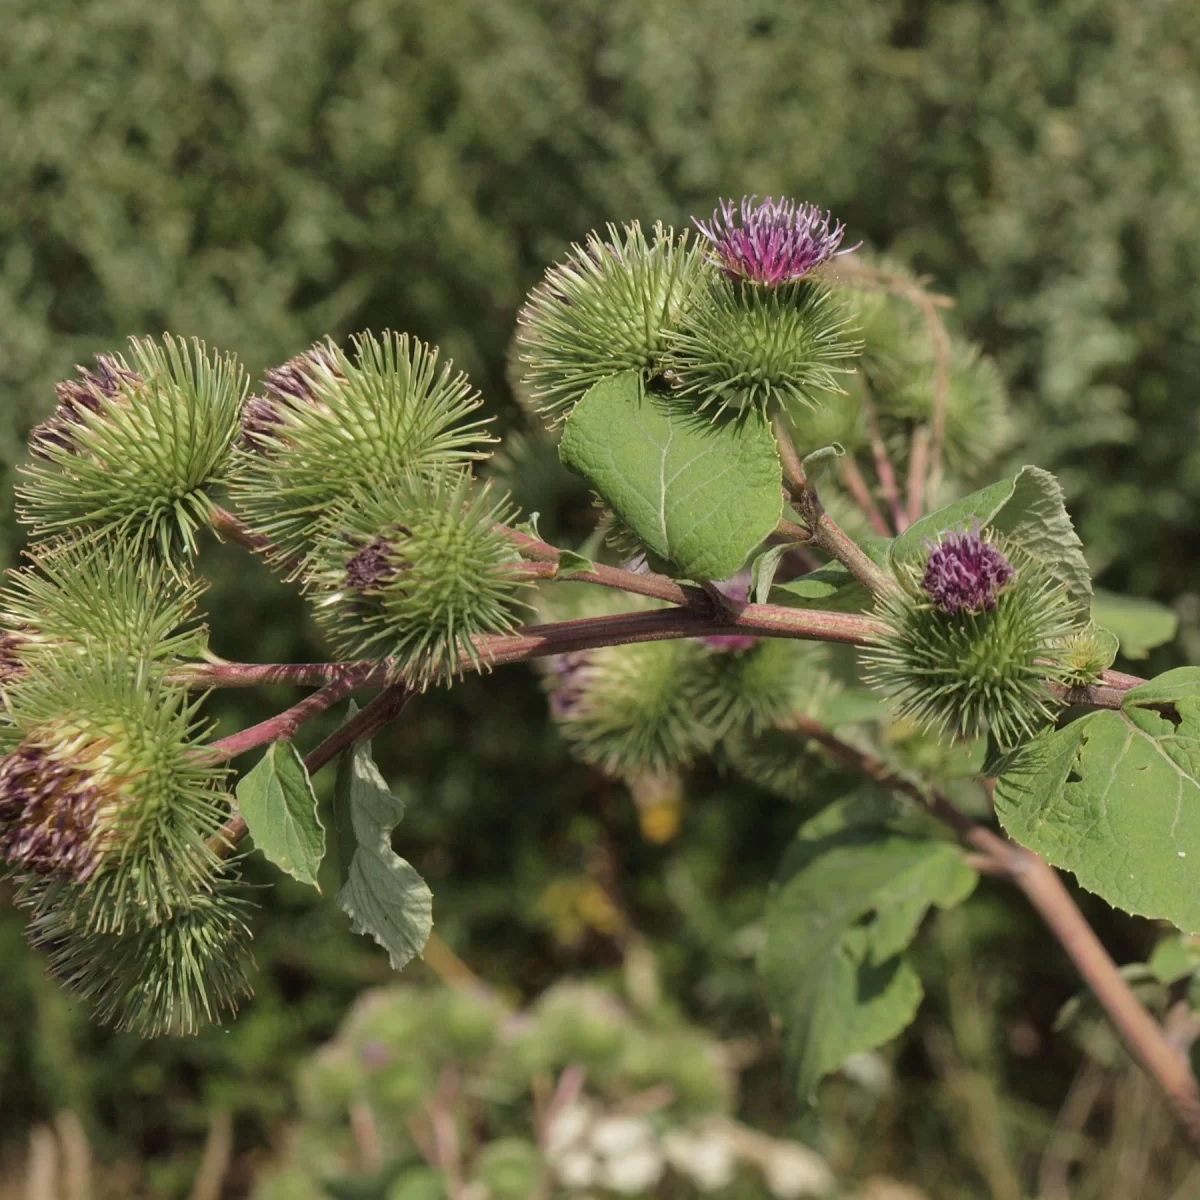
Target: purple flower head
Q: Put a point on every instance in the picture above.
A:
(290, 386)
(965, 574)
(86, 394)
(375, 564)
(49, 813)
(776, 242)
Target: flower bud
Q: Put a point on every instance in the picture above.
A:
(89, 394)
(135, 451)
(58, 805)
(105, 788)
(968, 645)
(296, 384)
(327, 425)
(740, 346)
(964, 573)
(415, 573)
(612, 306)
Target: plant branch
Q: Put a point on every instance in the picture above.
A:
(1142, 1036)
(823, 531)
(883, 466)
(284, 725)
(542, 641)
(364, 724)
(641, 583)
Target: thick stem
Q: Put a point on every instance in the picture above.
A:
(542, 641)
(824, 532)
(1142, 1036)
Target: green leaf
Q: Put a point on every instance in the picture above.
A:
(383, 895)
(762, 572)
(572, 565)
(849, 899)
(832, 587)
(1115, 798)
(818, 459)
(280, 807)
(1174, 958)
(703, 493)
(1139, 624)
(1029, 509)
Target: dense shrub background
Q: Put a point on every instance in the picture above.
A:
(261, 172)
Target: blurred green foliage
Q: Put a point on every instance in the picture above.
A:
(260, 174)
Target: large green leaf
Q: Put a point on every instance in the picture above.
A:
(383, 895)
(1115, 798)
(1029, 509)
(849, 898)
(703, 493)
(1139, 624)
(277, 801)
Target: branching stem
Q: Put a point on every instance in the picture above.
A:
(1143, 1037)
(824, 532)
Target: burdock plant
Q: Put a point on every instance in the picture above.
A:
(688, 381)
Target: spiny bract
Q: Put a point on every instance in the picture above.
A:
(328, 424)
(134, 449)
(977, 668)
(415, 572)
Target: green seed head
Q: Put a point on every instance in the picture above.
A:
(611, 306)
(170, 976)
(135, 448)
(414, 573)
(329, 424)
(105, 788)
(741, 346)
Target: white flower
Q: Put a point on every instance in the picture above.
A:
(567, 1128)
(615, 1136)
(633, 1172)
(870, 1071)
(793, 1170)
(705, 1158)
(630, 1158)
(577, 1169)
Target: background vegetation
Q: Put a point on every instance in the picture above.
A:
(262, 173)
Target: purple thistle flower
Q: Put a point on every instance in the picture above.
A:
(776, 242)
(965, 574)
(290, 386)
(49, 813)
(86, 394)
